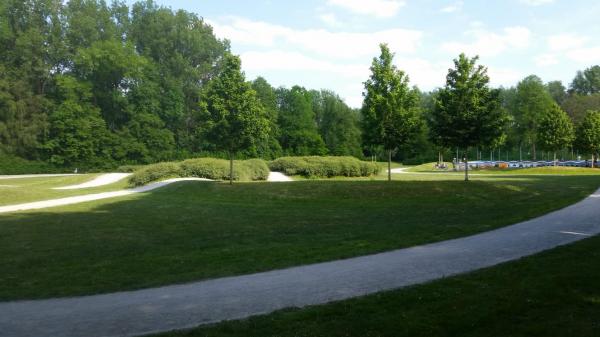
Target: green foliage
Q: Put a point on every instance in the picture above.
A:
(269, 147)
(588, 133)
(77, 132)
(209, 168)
(558, 91)
(235, 119)
(556, 130)
(10, 164)
(314, 166)
(531, 103)
(467, 112)
(587, 82)
(577, 105)
(337, 123)
(155, 172)
(389, 112)
(298, 130)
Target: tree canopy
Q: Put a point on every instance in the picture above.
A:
(390, 106)
(467, 112)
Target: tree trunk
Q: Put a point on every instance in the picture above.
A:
(593, 158)
(466, 167)
(389, 165)
(230, 168)
(534, 154)
(554, 158)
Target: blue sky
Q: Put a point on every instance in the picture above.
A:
(330, 43)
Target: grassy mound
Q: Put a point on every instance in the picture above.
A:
(209, 168)
(324, 167)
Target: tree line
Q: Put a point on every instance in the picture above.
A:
(466, 114)
(90, 84)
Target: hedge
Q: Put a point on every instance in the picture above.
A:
(10, 164)
(209, 168)
(324, 166)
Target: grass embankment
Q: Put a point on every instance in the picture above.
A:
(209, 168)
(554, 293)
(192, 231)
(22, 190)
(324, 167)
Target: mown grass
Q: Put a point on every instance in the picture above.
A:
(554, 293)
(548, 170)
(191, 231)
(22, 190)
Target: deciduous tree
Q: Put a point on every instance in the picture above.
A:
(467, 112)
(390, 106)
(235, 119)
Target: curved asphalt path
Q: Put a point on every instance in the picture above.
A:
(182, 306)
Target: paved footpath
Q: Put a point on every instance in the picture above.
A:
(182, 306)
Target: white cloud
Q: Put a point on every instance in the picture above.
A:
(488, 43)
(320, 41)
(256, 61)
(330, 19)
(377, 8)
(545, 60)
(585, 55)
(457, 6)
(536, 2)
(503, 76)
(565, 41)
(423, 73)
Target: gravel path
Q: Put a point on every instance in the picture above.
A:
(104, 179)
(181, 306)
(278, 177)
(90, 197)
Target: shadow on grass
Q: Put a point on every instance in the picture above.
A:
(192, 231)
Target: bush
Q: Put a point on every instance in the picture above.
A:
(10, 164)
(324, 166)
(209, 168)
(155, 172)
(128, 168)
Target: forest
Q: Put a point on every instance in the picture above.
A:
(90, 85)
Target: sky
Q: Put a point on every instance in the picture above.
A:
(329, 44)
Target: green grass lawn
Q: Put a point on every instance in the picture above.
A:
(554, 293)
(559, 170)
(22, 190)
(191, 231)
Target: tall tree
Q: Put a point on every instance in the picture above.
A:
(532, 101)
(577, 105)
(298, 128)
(270, 148)
(338, 124)
(467, 112)
(235, 118)
(390, 106)
(558, 91)
(587, 82)
(556, 130)
(588, 134)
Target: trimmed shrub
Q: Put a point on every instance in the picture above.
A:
(129, 168)
(209, 168)
(257, 169)
(155, 172)
(314, 166)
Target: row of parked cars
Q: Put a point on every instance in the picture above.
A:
(525, 164)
